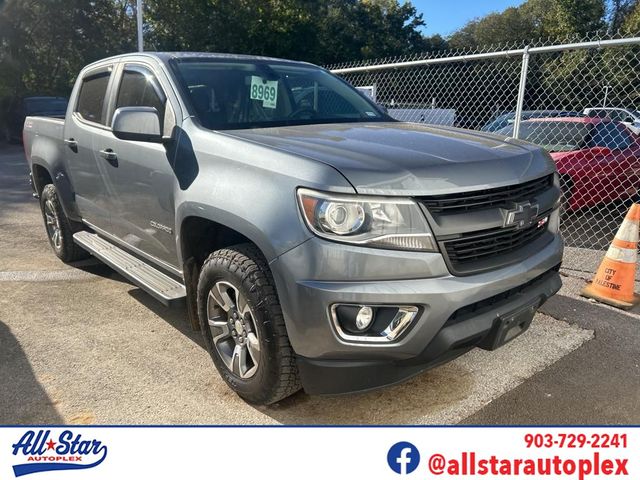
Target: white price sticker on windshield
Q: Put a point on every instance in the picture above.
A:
(265, 90)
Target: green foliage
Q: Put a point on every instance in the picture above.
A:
(631, 22)
(319, 32)
(43, 44)
(534, 19)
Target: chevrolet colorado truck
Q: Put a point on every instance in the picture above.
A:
(316, 242)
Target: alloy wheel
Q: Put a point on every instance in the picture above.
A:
(53, 224)
(233, 328)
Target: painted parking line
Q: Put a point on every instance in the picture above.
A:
(45, 275)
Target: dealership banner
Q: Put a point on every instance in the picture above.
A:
(336, 453)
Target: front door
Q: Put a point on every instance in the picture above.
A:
(141, 176)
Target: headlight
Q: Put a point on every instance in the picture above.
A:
(373, 221)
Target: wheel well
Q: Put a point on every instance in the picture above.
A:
(200, 237)
(41, 177)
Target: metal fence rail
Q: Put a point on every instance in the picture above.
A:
(578, 100)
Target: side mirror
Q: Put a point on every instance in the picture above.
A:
(141, 124)
(629, 119)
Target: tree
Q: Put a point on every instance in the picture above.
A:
(619, 10)
(631, 21)
(320, 32)
(45, 43)
(559, 19)
(534, 19)
(513, 25)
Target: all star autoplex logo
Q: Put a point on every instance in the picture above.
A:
(41, 451)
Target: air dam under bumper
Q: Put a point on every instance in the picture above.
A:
(474, 325)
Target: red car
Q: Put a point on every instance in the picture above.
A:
(598, 159)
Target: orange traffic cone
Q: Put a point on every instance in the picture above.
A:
(614, 281)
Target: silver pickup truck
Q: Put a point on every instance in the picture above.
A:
(313, 240)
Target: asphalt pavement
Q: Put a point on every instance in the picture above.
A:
(79, 344)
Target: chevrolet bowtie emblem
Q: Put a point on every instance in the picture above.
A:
(522, 215)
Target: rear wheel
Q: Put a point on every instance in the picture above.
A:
(59, 228)
(243, 327)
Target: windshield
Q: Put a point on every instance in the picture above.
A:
(227, 94)
(553, 136)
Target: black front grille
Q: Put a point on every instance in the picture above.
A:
(484, 199)
(498, 242)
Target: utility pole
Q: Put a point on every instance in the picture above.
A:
(139, 20)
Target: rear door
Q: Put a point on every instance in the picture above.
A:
(617, 174)
(142, 179)
(87, 168)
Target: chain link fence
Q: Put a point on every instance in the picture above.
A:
(578, 100)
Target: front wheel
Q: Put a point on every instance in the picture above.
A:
(243, 326)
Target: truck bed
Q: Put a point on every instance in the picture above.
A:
(43, 138)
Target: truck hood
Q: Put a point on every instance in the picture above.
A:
(394, 158)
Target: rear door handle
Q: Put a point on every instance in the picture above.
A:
(72, 144)
(109, 155)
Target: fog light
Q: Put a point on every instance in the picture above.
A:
(375, 323)
(363, 320)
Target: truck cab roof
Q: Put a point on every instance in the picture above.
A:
(165, 57)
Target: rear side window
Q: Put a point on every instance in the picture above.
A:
(139, 88)
(91, 98)
(611, 135)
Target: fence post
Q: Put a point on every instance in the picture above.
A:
(521, 88)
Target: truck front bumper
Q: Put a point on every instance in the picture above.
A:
(457, 336)
(455, 313)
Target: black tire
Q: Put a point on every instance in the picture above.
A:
(276, 372)
(62, 244)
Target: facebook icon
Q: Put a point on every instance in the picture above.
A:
(403, 458)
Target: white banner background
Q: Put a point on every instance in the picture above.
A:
(304, 452)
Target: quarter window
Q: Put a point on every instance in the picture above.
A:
(139, 88)
(91, 98)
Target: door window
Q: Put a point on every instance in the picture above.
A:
(91, 98)
(618, 115)
(611, 135)
(140, 88)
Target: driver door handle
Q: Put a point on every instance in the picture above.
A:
(109, 155)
